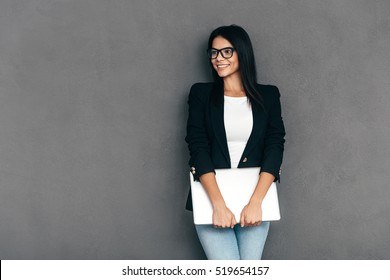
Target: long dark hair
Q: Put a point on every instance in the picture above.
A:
(242, 45)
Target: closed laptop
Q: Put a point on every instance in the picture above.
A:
(237, 186)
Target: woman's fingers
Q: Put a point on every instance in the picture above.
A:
(249, 219)
(233, 221)
(225, 219)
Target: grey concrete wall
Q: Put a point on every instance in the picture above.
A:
(93, 163)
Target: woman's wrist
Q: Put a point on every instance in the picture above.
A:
(256, 200)
(218, 204)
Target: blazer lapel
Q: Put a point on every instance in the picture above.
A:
(216, 113)
(259, 118)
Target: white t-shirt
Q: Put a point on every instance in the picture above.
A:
(238, 120)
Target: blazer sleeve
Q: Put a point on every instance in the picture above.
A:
(274, 137)
(197, 137)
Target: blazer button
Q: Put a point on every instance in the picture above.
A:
(280, 172)
(245, 160)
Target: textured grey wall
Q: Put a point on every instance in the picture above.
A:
(93, 163)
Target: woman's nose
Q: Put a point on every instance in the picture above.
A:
(219, 57)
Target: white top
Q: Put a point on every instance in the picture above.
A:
(238, 120)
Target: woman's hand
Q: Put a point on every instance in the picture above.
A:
(251, 215)
(223, 217)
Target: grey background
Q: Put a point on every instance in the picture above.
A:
(93, 163)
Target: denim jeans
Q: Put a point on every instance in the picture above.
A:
(236, 243)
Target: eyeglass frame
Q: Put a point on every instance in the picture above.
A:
(219, 51)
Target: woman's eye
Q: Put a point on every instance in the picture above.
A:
(227, 52)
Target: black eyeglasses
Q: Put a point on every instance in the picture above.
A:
(225, 52)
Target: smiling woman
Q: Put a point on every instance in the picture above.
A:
(234, 123)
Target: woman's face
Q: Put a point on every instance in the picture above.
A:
(225, 67)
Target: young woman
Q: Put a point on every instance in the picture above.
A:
(234, 123)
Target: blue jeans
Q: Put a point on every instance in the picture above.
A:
(236, 243)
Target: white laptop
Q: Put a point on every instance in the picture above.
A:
(237, 186)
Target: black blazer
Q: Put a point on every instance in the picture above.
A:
(206, 135)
